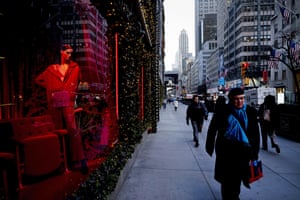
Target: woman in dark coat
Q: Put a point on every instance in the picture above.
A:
(233, 154)
(269, 120)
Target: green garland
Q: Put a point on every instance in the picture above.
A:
(133, 55)
(103, 180)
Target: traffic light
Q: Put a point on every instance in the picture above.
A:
(244, 68)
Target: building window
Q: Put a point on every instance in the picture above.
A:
(276, 76)
(276, 28)
(283, 74)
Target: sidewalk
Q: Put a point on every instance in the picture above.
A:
(167, 166)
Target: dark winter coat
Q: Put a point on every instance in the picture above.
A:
(274, 122)
(232, 158)
(195, 112)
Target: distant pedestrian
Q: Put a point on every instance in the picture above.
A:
(169, 101)
(220, 103)
(164, 104)
(234, 134)
(269, 122)
(196, 114)
(203, 105)
(175, 103)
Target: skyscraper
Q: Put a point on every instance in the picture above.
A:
(183, 44)
(247, 37)
(204, 9)
(183, 51)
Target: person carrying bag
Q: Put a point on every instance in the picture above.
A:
(233, 133)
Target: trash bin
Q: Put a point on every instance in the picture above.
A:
(289, 121)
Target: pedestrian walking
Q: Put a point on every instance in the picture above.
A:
(203, 105)
(234, 135)
(175, 103)
(196, 114)
(164, 104)
(220, 103)
(269, 122)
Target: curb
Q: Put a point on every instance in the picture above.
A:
(125, 171)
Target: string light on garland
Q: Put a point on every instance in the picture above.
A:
(137, 81)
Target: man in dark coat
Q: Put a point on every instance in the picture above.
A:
(196, 114)
(234, 134)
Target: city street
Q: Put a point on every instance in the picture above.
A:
(167, 166)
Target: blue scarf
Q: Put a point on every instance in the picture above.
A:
(235, 130)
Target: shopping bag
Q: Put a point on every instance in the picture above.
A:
(256, 171)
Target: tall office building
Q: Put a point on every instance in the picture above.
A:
(247, 38)
(199, 69)
(183, 51)
(204, 9)
(205, 35)
(183, 43)
(222, 15)
(85, 29)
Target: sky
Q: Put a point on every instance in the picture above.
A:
(179, 14)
